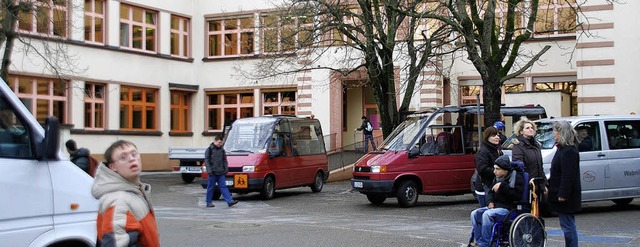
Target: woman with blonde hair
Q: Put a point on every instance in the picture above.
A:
(527, 149)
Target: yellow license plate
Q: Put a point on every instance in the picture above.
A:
(241, 181)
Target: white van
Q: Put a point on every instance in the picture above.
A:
(46, 201)
(609, 155)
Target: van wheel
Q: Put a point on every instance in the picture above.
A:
(268, 188)
(187, 178)
(376, 198)
(407, 194)
(318, 183)
(622, 202)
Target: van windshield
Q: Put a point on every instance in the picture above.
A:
(249, 135)
(544, 135)
(402, 137)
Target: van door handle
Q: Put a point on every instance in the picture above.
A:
(600, 155)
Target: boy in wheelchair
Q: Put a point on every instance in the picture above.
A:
(505, 192)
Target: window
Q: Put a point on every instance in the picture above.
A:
(94, 13)
(623, 134)
(42, 96)
(14, 135)
(555, 17)
(569, 87)
(180, 111)
(589, 136)
(138, 107)
(47, 17)
(283, 102)
(138, 28)
(468, 94)
(286, 33)
(223, 109)
(307, 137)
(94, 105)
(180, 30)
(512, 88)
(231, 37)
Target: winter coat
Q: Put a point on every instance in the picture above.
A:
(528, 151)
(509, 192)
(216, 160)
(363, 127)
(485, 158)
(565, 180)
(81, 159)
(125, 213)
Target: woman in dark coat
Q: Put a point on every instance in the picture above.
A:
(485, 158)
(565, 192)
(527, 149)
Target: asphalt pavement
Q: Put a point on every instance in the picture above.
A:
(338, 216)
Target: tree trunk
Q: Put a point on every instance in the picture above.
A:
(492, 95)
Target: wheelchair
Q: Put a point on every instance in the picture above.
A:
(522, 226)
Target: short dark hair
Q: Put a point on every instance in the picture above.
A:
(119, 143)
(218, 138)
(489, 132)
(71, 145)
(364, 117)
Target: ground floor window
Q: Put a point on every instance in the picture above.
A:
(180, 111)
(279, 102)
(94, 105)
(138, 108)
(224, 108)
(42, 96)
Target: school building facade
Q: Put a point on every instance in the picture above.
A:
(164, 73)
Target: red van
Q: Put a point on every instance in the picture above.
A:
(274, 152)
(427, 154)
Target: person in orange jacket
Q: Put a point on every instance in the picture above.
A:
(125, 213)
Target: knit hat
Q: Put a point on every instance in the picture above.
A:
(504, 162)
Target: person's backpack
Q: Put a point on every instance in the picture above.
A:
(93, 165)
(369, 127)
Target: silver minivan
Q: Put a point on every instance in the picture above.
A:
(609, 155)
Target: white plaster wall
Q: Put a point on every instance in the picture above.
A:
(121, 67)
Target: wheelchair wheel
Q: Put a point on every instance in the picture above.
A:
(527, 230)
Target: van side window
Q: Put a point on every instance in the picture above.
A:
(589, 136)
(14, 136)
(623, 134)
(307, 137)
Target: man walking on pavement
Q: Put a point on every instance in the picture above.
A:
(367, 130)
(217, 168)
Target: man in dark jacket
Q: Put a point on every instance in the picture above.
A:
(367, 131)
(505, 192)
(79, 156)
(217, 168)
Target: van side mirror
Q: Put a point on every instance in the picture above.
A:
(51, 143)
(414, 151)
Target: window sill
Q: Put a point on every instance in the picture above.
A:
(174, 133)
(116, 132)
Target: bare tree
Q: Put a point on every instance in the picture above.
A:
(41, 29)
(373, 35)
(494, 31)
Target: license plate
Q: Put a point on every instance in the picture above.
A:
(191, 169)
(241, 181)
(229, 182)
(357, 184)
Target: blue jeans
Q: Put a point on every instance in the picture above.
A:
(219, 181)
(568, 225)
(369, 138)
(482, 220)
